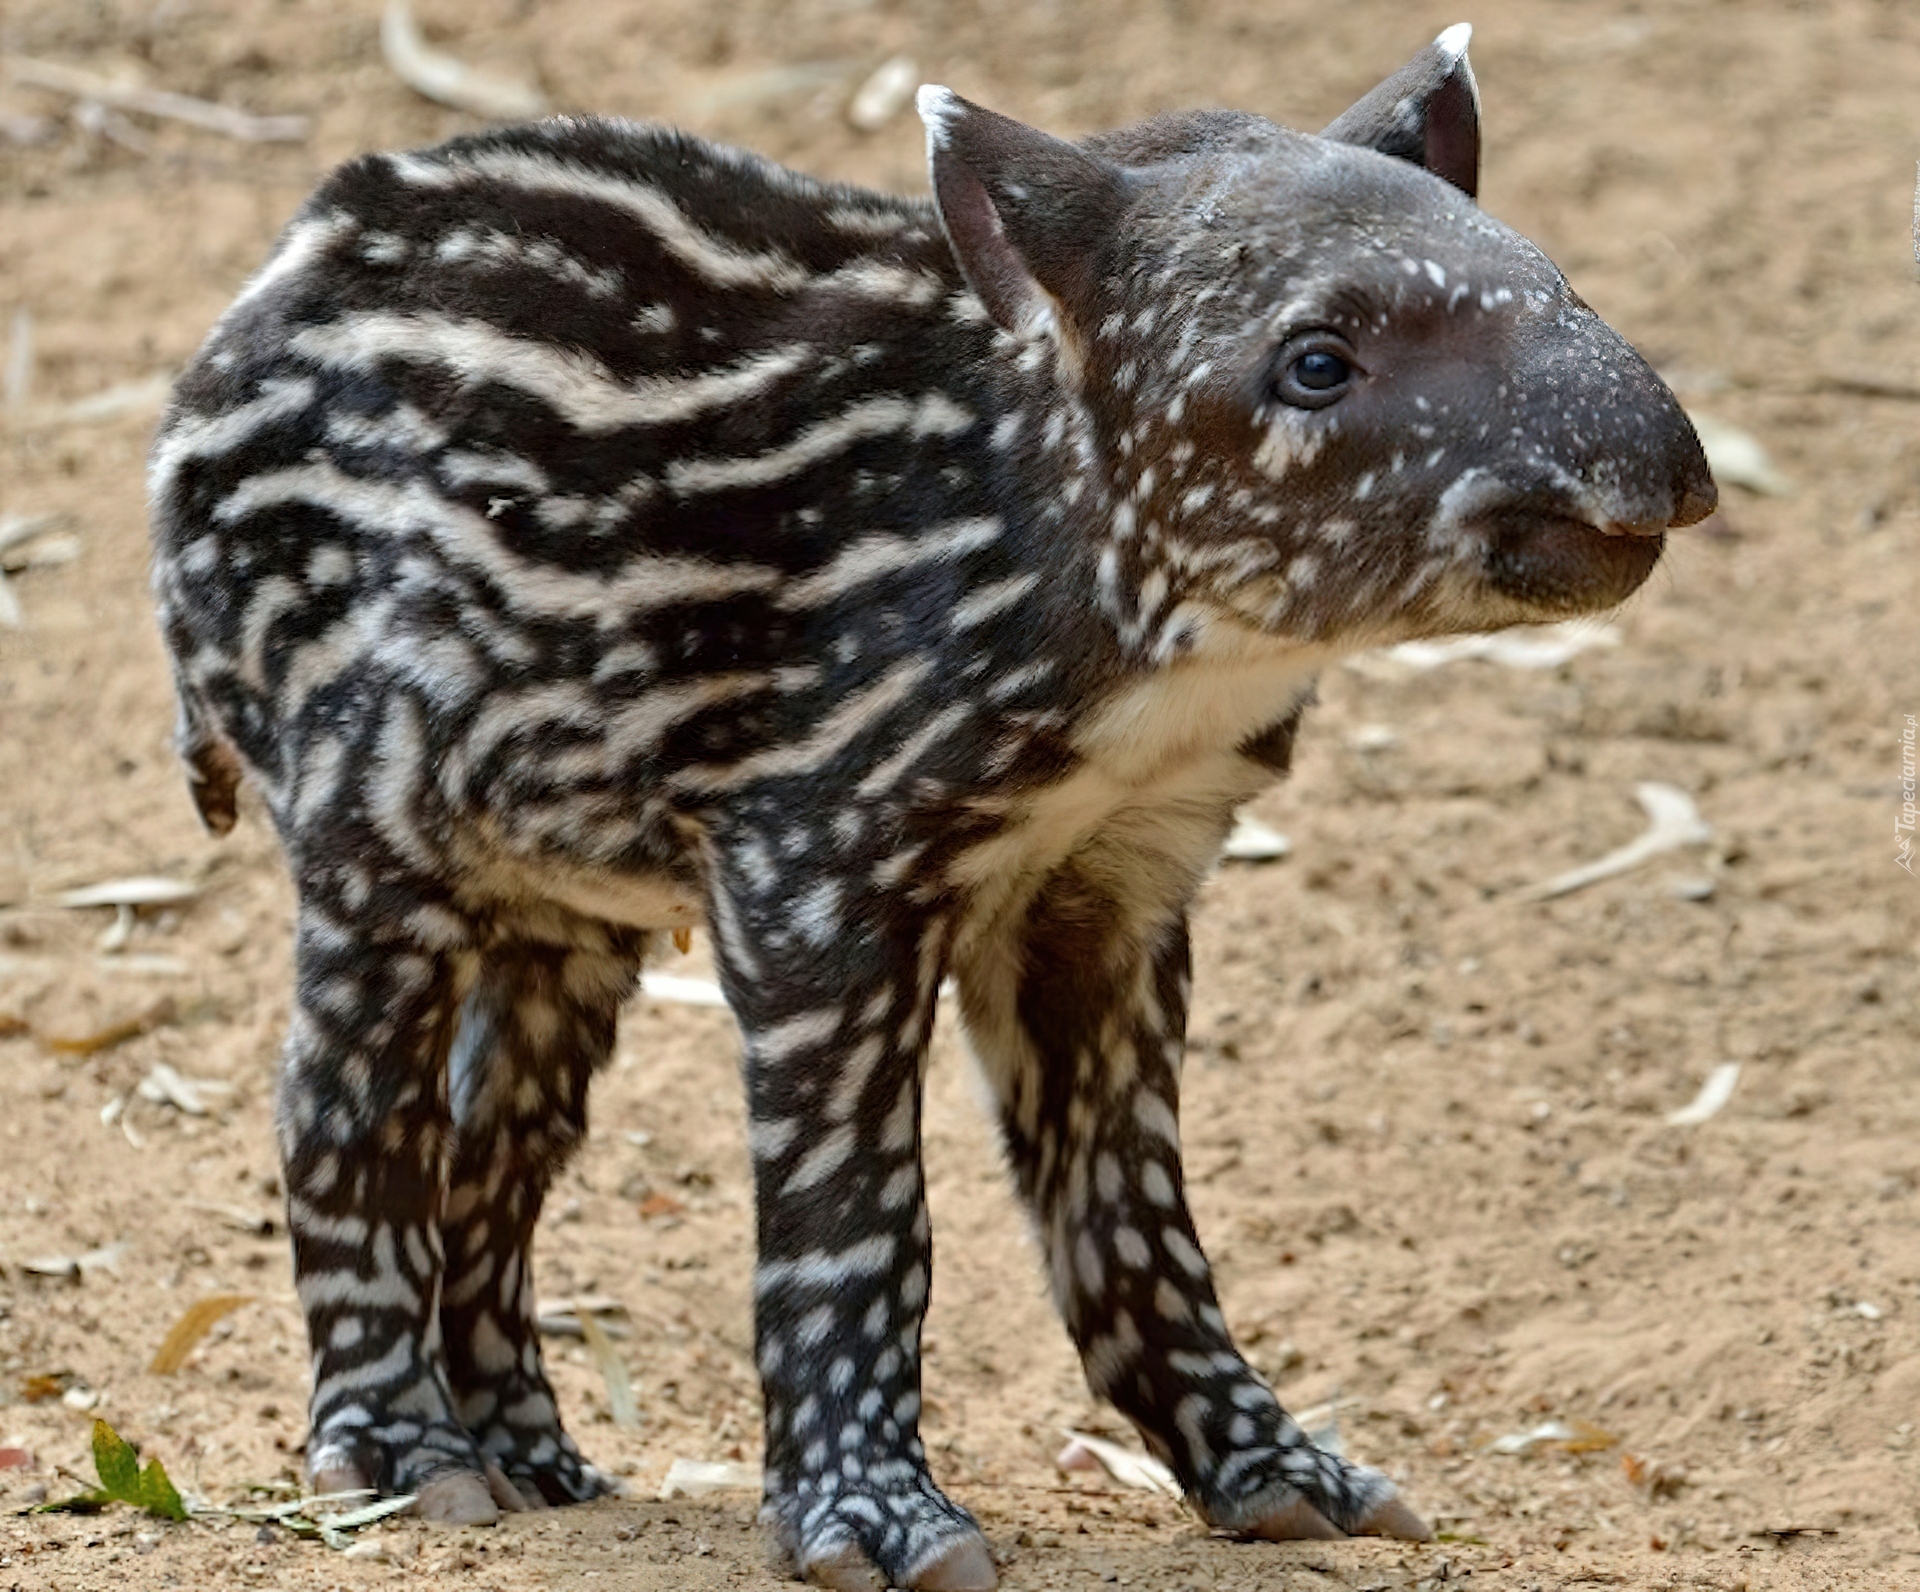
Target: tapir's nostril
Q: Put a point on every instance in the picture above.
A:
(1699, 499)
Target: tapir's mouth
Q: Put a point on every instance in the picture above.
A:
(1563, 565)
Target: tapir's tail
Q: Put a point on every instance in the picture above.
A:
(213, 766)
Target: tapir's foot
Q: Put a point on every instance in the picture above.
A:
(861, 1539)
(452, 1498)
(542, 1461)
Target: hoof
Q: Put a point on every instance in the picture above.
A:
(1392, 1518)
(338, 1479)
(459, 1498)
(1298, 1521)
(509, 1497)
(845, 1569)
(964, 1566)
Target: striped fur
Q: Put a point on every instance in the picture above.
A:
(579, 532)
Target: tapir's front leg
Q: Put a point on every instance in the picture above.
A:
(835, 1007)
(1079, 1025)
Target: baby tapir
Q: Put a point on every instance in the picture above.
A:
(580, 532)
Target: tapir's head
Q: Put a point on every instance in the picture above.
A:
(1317, 385)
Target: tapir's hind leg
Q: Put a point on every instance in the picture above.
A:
(1080, 1028)
(539, 1020)
(366, 1141)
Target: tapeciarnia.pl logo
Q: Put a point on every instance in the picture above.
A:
(1904, 819)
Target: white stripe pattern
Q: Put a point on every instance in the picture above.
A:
(832, 736)
(577, 387)
(714, 259)
(191, 436)
(467, 537)
(873, 557)
(931, 415)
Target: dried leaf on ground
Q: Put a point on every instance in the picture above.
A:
(310, 1518)
(204, 114)
(1253, 841)
(439, 76)
(692, 1478)
(192, 1326)
(560, 1318)
(1521, 647)
(884, 94)
(145, 890)
(159, 1014)
(1736, 457)
(239, 1217)
(17, 530)
(118, 932)
(613, 1371)
(1127, 1466)
(144, 966)
(72, 1267)
(1673, 822)
(165, 1087)
(1713, 1095)
(41, 552)
(1564, 1437)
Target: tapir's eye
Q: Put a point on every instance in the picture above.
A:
(1320, 371)
(1314, 372)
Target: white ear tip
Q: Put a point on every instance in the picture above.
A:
(939, 107)
(1453, 42)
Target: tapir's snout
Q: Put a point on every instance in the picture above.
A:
(1604, 462)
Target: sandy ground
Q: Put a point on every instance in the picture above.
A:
(1425, 1117)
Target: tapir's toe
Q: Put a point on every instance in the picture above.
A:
(1294, 1521)
(509, 1497)
(1392, 1518)
(457, 1498)
(338, 1479)
(845, 1569)
(962, 1564)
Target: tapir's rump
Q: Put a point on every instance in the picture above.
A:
(579, 532)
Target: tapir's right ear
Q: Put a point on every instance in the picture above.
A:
(1028, 215)
(1428, 112)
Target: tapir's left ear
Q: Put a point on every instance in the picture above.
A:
(1428, 112)
(1029, 216)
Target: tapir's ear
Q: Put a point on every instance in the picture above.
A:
(1428, 112)
(1028, 215)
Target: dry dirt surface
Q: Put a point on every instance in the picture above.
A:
(1426, 1117)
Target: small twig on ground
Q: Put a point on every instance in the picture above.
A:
(204, 114)
(440, 77)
